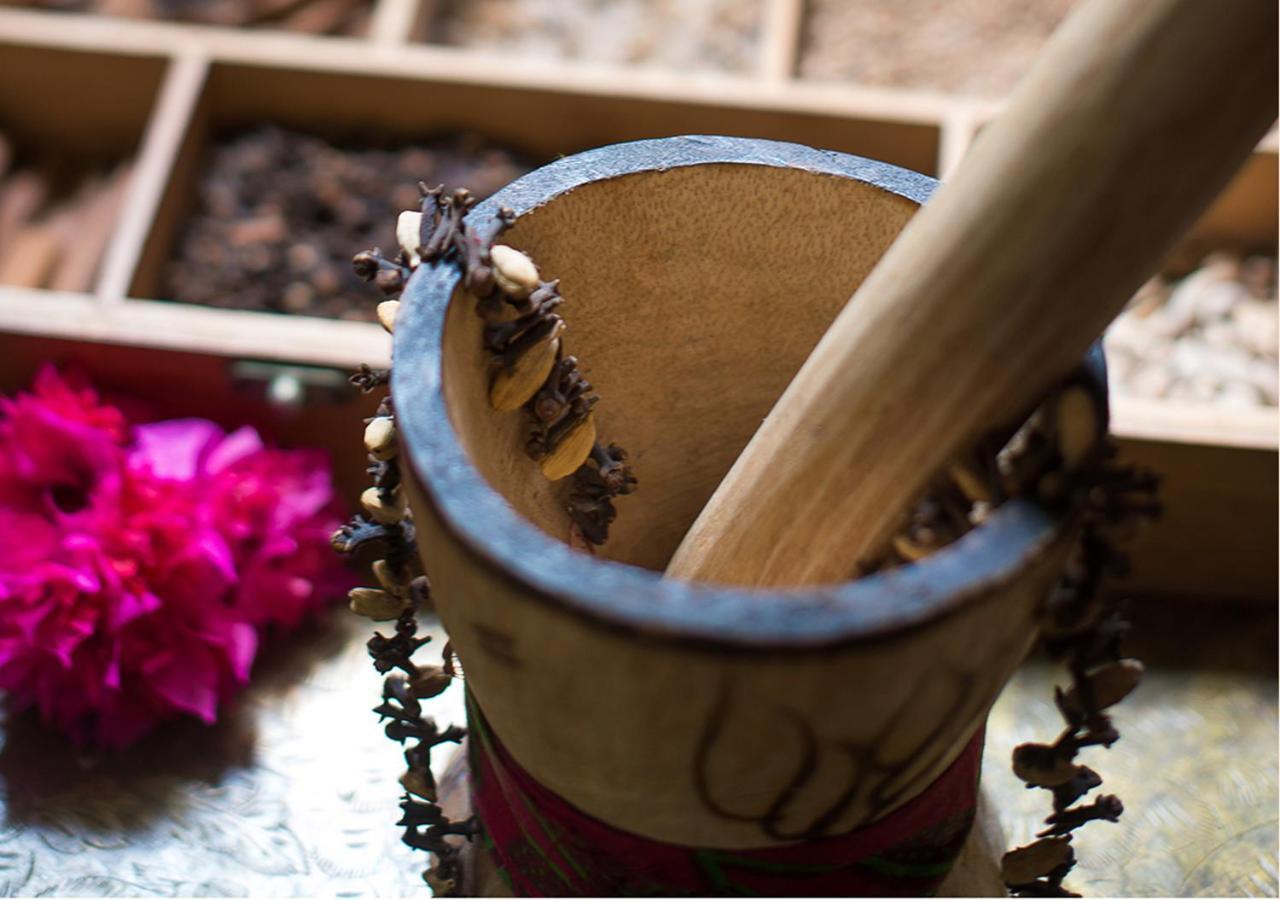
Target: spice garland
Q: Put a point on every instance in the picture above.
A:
(1060, 457)
(531, 371)
(1063, 458)
(523, 332)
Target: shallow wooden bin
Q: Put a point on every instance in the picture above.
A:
(698, 272)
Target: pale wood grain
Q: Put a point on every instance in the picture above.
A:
(196, 329)
(164, 134)
(1134, 118)
(392, 21)
(780, 38)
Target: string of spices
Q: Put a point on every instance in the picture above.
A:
(1064, 459)
(523, 335)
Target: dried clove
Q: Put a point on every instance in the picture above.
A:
(359, 533)
(1036, 860)
(1107, 808)
(367, 379)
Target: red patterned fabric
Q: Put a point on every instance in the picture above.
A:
(545, 847)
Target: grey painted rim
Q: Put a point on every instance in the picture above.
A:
(638, 600)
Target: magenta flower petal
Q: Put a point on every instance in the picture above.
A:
(150, 558)
(175, 449)
(230, 450)
(189, 685)
(38, 540)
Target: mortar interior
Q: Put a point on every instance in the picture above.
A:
(692, 296)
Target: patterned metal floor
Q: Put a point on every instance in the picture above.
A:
(295, 794)
(1196, 765)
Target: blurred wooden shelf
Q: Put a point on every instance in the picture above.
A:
(104, 88)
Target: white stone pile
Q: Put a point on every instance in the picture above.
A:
(1209, 337)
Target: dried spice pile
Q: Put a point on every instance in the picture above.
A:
(1210, 336)
(717, 35)
(312, 16)
(278, 212)
(974, 47)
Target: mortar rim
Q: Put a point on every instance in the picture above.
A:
(620, 595)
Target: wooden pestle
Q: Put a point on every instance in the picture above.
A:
(1131, 122)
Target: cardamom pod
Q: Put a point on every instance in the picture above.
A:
(1026, 864)
(512, 388)
(408, 233)
(379, 511)
(387, 311)
(431, 681)
(376, 604)
(387, 579)
(514, 272)
(1042, 766)
(1108, 685)
(1078, 426)
(972, 485)
(909, 549)
(380, 438)
(572, 451)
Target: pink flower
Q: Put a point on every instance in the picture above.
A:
(140, 564)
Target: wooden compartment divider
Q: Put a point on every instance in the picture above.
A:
(167, 89)
(780, 42)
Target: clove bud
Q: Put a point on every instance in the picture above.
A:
(420, 784)
(440, 886)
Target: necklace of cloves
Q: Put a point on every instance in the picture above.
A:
(523, 333)
(1061, 456)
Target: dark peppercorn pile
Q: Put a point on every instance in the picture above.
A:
(278, 212)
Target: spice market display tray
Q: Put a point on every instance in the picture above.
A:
(90, 85)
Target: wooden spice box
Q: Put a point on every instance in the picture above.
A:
(161, 91)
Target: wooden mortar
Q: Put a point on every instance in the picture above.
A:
(698, 274)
